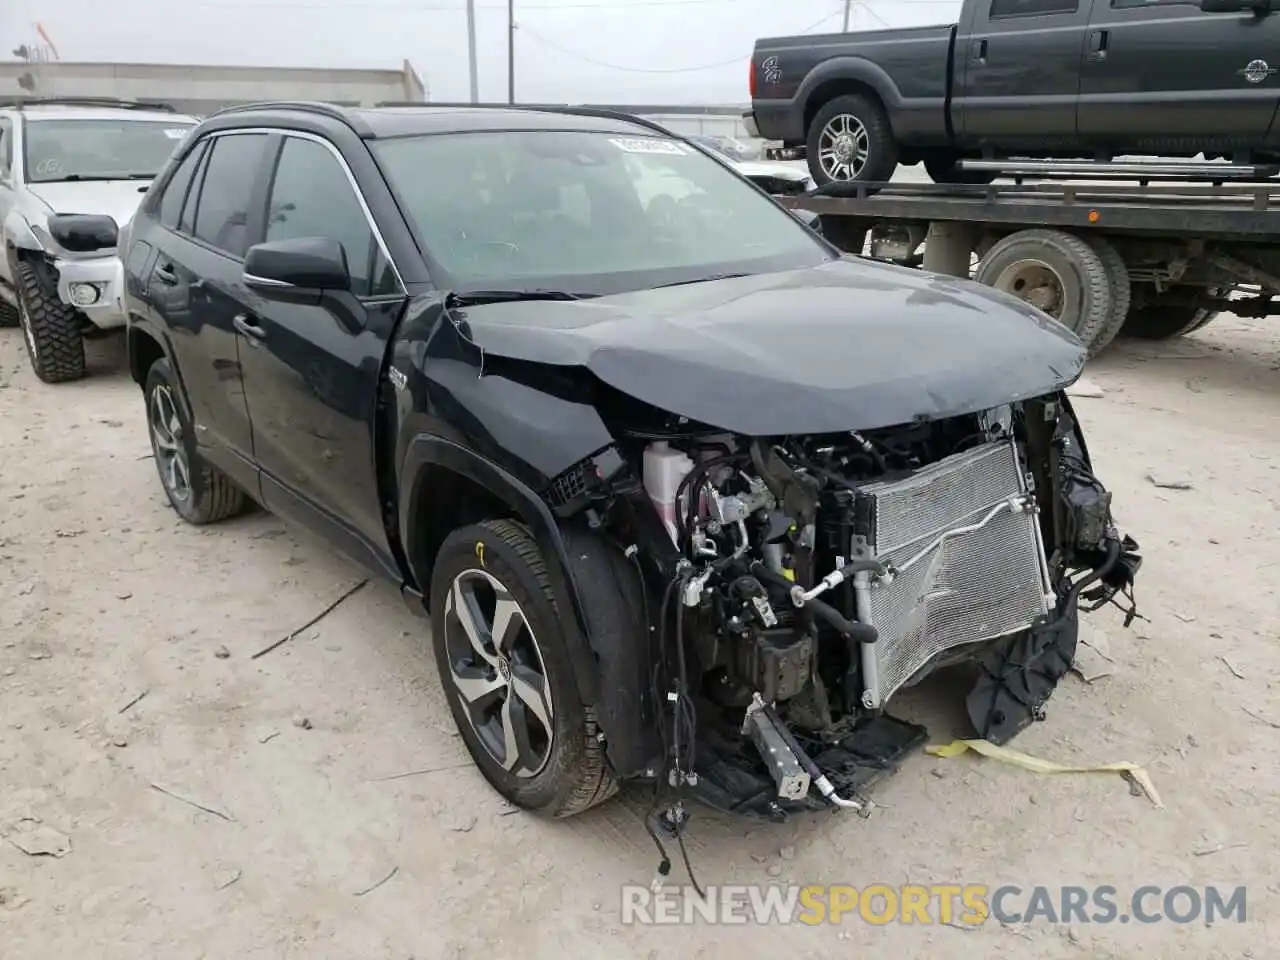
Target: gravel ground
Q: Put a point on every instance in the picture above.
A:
(125, 669)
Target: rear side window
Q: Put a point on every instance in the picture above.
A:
(222, 217)
(1001, 9)
(175, 192)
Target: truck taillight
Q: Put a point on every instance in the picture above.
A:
(751, 77)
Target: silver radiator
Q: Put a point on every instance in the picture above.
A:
(963, 542)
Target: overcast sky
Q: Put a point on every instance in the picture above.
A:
(669, 51)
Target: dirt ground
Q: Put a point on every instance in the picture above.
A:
(105, 598)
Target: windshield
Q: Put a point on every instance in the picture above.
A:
(588, 213)
(99, 149)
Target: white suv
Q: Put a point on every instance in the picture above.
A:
(72, 172)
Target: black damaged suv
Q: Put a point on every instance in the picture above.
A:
(687, 495)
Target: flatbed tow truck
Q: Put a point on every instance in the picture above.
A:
(1153, 250)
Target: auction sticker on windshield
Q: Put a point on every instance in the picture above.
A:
(647, 145)
(175, 133)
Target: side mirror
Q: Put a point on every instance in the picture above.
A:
(84, 232)
(1258, 7)
(297, 271)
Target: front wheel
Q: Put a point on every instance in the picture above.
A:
(196, 489)
(52, 329)
(850, 140)
(506, 672)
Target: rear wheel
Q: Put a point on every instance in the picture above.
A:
(1058, 273)
(850, 140)
(1153, 320)
(1121, 293)
(506, 672)
(197, 490)
(52, 329)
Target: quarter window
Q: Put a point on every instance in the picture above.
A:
(1000, 9)
(222, 217)
(312, 196)
(6, 149)
(175, 191)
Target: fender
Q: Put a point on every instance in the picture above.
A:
(18, 235)
(428, 450)
(852, 68)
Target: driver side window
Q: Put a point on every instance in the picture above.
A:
(311, 196)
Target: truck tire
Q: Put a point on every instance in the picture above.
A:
(8, 314)
(52, 330)
(515, 702)
(1121, 293)
(854, 132)
(198, 491)
(1153, 320)
(1056, 272)
(942, 168)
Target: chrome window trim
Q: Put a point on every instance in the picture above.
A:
(351, 180)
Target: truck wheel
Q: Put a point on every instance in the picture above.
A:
(850, 139)
(1153, 320)
(942, 168)
(1056, 272)
(8, 314)
(1121, 293)
(52, 329)
(197, 490)
(506, 672)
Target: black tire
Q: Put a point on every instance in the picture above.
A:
(881, 147)
(1121, 293)
(8, 314)
(942, 168)
(1078, 274)
(571, 774)
(1152, 319)
(52, 328)
(209, 495)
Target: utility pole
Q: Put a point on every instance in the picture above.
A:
(511, 51)
(847, 5)
(471, 50)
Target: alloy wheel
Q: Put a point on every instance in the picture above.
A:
(843, 147)
(167, 445)
(498, 673)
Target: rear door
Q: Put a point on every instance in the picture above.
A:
(1017, 71)
(313, 372)
(193, 285)
(1160, 74)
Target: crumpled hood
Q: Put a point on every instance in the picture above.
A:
(849, 345)
(118, 199)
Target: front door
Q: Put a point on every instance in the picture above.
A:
(313, 372)
(1162, 74)
(193, 282)
(1017, 70)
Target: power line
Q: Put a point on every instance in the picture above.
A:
(652, 70)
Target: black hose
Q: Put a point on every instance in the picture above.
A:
(854, 629)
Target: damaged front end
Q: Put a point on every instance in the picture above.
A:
(797, 584)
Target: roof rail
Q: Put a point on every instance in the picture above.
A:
(563, 108)
(320, 107)
(20, 103)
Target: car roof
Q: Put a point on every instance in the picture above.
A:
(400, 120)
(62, 111)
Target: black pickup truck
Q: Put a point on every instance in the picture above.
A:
(585, 395)
(1034, 78)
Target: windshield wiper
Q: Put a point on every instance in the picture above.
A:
(95, 178)
(716, 276)
(474, 298)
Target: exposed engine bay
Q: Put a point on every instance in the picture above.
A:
(798, 584)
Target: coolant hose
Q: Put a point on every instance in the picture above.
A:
(855, 630)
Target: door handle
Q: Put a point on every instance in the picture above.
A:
(242, 324)
(1098, 43)
(979, 49)
(165, 274)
